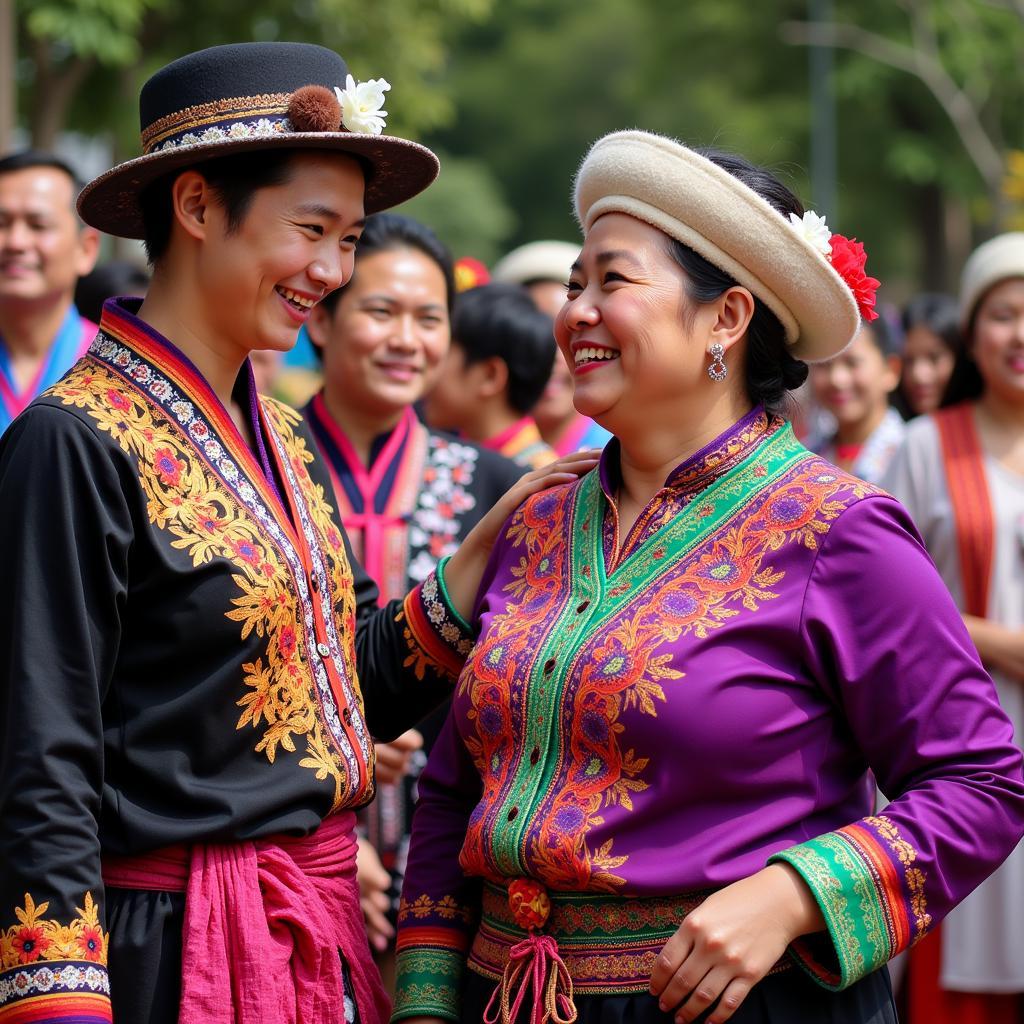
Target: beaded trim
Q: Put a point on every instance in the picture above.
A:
(217, 113)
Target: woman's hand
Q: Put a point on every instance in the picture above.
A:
(374, 883)
(466, 567)
(393, 758)
(731, 941)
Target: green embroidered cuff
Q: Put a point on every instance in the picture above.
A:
(442, 584)
(428, 984)
(842, 872)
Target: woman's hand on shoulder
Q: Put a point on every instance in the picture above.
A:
(731, 941)
(466, 567)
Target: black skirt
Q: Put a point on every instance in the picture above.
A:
(787, 998)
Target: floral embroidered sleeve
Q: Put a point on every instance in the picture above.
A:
(66, 533)
(884, 639)
(437, 637)
(440, 905)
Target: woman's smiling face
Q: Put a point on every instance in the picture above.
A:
(623, 331)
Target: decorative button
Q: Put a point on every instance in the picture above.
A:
(529, 902)
(535, 755)
(582, 607)
(315, 584)
(512, 814)
(323, 650)
(549, 666)
(347, 715)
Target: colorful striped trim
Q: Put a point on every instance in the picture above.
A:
(439, 639)
(608, 943)
(428, 984)
(862, 879)
(964, 463)
(65, 991)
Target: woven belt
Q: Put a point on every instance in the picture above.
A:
(608, 943)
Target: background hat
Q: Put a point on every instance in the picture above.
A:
(690, 198)
(537, 261)
(229, 99)
(993, 261)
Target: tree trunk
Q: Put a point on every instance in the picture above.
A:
(55, 88)
(8, 82)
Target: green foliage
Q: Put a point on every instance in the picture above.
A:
(104, 29)
(466, 208)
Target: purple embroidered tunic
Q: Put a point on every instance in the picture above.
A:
(644, 718)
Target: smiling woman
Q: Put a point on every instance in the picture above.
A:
(653, 798)
(194, 664)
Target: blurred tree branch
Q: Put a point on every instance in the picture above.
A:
(924, 60)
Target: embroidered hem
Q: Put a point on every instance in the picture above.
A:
(871, 897)
(428, 983)
(55, 991)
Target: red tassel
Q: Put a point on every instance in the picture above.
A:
(533, 963)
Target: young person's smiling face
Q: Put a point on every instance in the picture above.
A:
(997, 341)
(384, 341)
(295, 243)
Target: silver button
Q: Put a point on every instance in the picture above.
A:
(323, 650)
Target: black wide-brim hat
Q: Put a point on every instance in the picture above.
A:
(238, 98)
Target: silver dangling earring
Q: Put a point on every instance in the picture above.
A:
(718, 371)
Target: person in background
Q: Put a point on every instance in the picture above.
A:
(855, 387)
(961, 476)
(407, 495)
(497, 366)
(542, 268)
(931, 345)
(44, 250)
(107, 281)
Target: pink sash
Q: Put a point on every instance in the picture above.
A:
(266, 925)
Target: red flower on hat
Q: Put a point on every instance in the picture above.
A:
(848, 259)
(529, 903)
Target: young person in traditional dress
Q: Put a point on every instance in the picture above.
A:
(652, 799)
(961, 476)
(500, 359)
(542, 268)
(192, 664)
(855, 387)
(44, 250)
(407, 495)
(931, 349)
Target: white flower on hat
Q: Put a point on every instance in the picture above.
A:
(814, 229)
(361, 105)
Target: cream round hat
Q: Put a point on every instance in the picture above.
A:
(996, 260)
(537, 261)
(670, 186)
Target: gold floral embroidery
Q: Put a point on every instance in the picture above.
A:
(207, 522)
(35, 938)
(914, 877)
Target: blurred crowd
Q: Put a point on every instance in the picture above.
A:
(433, 383)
